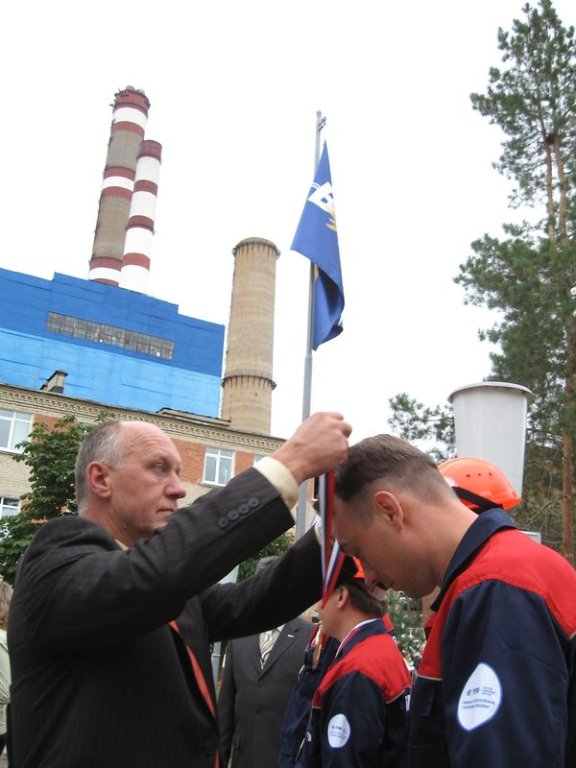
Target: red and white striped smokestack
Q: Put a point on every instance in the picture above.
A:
(130, 113)
(140, 227)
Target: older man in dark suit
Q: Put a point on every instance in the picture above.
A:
(114, 610)
(259, 674)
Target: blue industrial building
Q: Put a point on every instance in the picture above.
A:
(117, 347)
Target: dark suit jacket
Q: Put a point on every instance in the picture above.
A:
(252, 701)
(98, 678)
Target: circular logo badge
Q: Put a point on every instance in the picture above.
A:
(338, 731)
(480, 698)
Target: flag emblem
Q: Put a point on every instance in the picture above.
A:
(317, 239)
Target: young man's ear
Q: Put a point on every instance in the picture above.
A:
(342, 598)
(389, 508)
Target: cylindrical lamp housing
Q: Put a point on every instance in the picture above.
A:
(490, 424)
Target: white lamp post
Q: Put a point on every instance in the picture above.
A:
(490, 424)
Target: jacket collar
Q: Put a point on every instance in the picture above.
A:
(358, 633)
(484, 527)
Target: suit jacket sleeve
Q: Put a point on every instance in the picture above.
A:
(80, 589)
(277, 594)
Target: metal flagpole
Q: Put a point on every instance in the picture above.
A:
(307, 396)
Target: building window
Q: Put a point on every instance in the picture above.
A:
(14, 428)
(218, 466)
(9, 507)
(100, 333)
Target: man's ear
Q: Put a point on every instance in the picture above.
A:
(343, 597)
(98, 476)
(389, 508)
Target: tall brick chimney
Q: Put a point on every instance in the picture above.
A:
(129, 118)
(247, 384)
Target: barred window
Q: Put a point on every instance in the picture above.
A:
(100, 333)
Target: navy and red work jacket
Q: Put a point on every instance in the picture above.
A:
(300, 702)
(496, 686)
(359, 717)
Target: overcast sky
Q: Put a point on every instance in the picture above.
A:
(234, 89)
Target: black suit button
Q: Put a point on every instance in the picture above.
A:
(223, 522)
(233, 514)
(243, 509)
(253, 502)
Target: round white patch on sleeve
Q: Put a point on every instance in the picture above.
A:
(480, 698)
(338, 731)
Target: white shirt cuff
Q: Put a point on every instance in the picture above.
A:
(281, 478)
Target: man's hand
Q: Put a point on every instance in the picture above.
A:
(319, 444)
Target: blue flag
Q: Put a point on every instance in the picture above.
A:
(317, 239)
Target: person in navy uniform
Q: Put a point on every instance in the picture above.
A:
(496, 684)
(358, 716)
(318, 656)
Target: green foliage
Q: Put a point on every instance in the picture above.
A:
(50, 455)
(16, 532)
(417, 423)
(529, 283)
(533, 100)
(541, 514)
(406, 615)
(276, 547)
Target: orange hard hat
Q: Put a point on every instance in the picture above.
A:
(376, 591)
(359, 569)
(479, 484)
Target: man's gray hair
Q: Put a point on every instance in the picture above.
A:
(101, 444)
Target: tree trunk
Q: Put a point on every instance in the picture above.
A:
(568, 451)
(567, 500)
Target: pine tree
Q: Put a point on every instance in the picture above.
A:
(531, 276)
